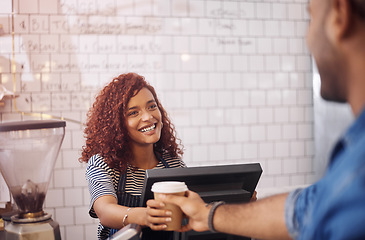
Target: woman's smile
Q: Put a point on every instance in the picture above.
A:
(148, 128)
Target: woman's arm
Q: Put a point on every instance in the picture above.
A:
(111, 214)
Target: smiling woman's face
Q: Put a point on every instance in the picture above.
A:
(143, 118)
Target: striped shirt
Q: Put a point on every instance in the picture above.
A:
(103, 180)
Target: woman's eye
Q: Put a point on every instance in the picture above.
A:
(153, 107)
(131, 114)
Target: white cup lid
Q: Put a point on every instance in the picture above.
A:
(169, 187)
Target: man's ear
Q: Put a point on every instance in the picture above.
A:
(339, 19)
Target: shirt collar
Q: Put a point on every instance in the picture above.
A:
(356, 130)
(353, 134)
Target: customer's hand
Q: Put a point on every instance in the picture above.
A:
(254, 197)
(193, 207)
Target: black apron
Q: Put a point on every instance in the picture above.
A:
(129, 200)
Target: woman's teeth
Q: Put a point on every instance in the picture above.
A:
(148, 128)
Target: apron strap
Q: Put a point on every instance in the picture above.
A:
(162, 160)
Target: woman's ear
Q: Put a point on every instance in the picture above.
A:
(339, 20)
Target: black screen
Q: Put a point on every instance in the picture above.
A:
(229, 183)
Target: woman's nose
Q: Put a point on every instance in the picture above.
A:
(146, 116)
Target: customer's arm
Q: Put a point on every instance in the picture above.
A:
(263, 219)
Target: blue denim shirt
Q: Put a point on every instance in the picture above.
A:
(333, 207)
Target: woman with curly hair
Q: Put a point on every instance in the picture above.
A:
(127, 132)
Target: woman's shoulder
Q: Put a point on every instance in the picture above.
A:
(173, 161)
(98, 161)
(97, 166)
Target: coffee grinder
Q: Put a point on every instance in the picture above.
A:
(28, 152)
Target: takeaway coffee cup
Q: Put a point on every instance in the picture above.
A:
(176, 188)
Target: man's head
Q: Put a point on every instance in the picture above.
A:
(334, 26)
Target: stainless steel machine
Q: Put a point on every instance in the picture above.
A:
(28, 152)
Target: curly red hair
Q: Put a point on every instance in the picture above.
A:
(106, 132)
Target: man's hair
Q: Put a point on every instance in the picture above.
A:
(358, 8)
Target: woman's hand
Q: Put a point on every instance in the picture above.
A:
(157, 217)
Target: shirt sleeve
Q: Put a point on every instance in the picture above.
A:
(99, 181)
(297, 209)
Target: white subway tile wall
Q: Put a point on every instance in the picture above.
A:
(234, 75)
